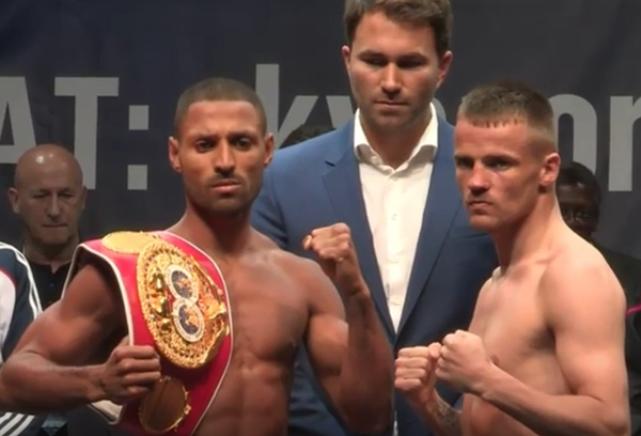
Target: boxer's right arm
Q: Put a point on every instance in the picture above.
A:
(57, 363)
(415, 377)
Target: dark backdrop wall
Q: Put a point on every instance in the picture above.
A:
(103, 78)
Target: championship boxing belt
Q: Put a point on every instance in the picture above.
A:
(175, 300)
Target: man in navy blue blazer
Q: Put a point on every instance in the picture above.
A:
(389, 175)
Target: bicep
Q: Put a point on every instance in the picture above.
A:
(326, 337)
(586, 315)
(73, 330)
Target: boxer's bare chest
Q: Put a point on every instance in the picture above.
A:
(269, 311)
(269, 317)
(510, 318)
(511, 321)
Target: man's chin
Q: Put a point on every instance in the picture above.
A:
(55, 241)
(396, 122)
(484, 223)
(229, 212)
(391, 119)
(227, 209)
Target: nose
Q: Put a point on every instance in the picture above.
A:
(225, 161)
(53, 207)
(391, 82)
(478, 182)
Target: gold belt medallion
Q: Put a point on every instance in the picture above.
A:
(128, 242)
(182, 306)
(164, 407)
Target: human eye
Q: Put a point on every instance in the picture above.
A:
(498, 163)
(463, 163)
(374, 60)
(242, 142)
(204, 144)
(411, 62)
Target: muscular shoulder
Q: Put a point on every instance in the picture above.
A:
(627, 269)
(576, 261)
(577, 276)
(298, 268)
(92, 289)
(282, 259)
(305, 273)
(487, 285)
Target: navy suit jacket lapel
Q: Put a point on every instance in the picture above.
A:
(342, 180)
(443, 201)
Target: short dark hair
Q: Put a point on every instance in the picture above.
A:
(508, 101)
(436, 14)
(578, 175)
(218, 89)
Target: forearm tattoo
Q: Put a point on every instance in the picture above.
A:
(447, 418)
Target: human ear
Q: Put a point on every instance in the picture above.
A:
(346, 53)
(12, 193)
(172, 149)
(550, 170)
(444, 66)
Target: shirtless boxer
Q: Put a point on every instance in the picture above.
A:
(75, 352)
(544, 351)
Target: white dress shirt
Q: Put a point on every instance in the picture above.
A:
(395, 200)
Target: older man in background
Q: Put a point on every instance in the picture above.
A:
(48, 196)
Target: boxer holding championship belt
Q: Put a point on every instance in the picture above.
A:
(175, 300)
(178, 372)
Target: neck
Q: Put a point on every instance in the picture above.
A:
(395, 146)
(221, 235)
(53, 255)
(527, 238)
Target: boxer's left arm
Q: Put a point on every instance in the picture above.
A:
(352, 360)
(585, 317)
(58, 363)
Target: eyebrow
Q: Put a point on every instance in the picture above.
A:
(376, 53)
(246, 132)
(194, 136)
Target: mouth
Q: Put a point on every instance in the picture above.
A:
(476, 204)
(390, 103)
(225, 186)
(54, 226)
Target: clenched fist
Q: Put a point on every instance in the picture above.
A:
(415, 373)
(464, 362)
(129, 372)
(336, 255)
